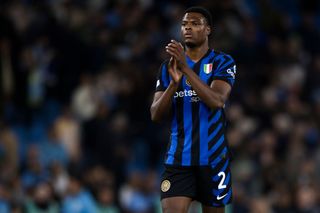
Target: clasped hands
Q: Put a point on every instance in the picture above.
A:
(177, 63)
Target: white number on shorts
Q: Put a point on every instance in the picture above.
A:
(221, 185)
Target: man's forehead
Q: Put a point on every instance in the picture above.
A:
(193, 16)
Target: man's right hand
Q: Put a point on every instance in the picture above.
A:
(162, 100)
(175, 74)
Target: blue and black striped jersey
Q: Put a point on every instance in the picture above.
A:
(197, 132)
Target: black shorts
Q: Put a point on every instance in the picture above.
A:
(210, 185)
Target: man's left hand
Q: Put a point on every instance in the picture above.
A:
(176, 50)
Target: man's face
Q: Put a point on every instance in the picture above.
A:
(194, 29)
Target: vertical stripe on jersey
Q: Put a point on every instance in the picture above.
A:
(191, 151)
(165, 77)
(180, 126)
(188, 120)
(203, 143)
(195, 147)
(173, 137)
(187, 153)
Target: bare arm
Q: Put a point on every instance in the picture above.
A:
(162, 101)
(214, 96)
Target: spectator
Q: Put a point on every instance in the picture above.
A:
(78, 199)
(105, 198)
(53, 150)
(68, 132)
(42, 200)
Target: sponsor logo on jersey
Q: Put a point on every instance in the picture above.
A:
(185, 93)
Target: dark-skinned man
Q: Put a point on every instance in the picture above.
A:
(191, 90)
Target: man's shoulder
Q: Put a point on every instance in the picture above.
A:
(164, 65)
(222, 55)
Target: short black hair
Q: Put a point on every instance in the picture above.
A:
(202, 11)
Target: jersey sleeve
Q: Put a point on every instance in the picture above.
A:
(162, 78)
(226, 70)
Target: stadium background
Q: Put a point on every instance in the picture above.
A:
(77, 79)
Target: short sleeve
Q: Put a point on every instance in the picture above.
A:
(162, 78)
(226, 70)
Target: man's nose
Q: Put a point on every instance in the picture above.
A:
(187, 27)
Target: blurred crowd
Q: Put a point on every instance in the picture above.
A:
(77, 78)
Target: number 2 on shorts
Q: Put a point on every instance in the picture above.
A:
(221, 185)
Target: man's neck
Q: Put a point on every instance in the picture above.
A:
(196, 53)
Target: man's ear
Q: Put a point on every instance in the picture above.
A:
(208, 30)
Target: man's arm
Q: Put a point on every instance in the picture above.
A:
(162, 101)
(214, 96)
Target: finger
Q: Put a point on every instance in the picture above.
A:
(178, 55)
(177, 44)
(172, 52)
(181, 46)
(170, 61)
(177, 47)
(174, 41)
(174, 62)
(172, 44)
(172, 48)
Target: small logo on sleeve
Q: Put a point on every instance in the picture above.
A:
(232, 71)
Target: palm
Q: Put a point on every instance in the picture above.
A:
(175, 74)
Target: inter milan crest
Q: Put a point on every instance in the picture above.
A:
(188, 83)
(207, 68)
(165, 185)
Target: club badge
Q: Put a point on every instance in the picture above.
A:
(188, 83)
(165, 185)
